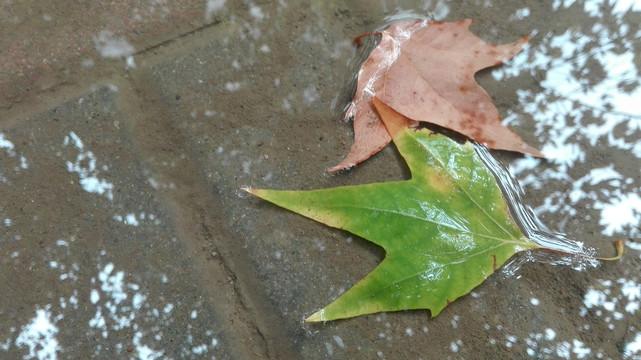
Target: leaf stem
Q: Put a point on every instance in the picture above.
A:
(618, 245)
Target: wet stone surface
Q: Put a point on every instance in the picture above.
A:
(123, 231)
(90, 263)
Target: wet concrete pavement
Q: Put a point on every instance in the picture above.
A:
(126, 129)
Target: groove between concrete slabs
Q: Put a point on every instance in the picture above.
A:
(226, 272)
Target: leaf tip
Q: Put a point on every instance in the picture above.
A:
(317, 316)
(394, 121)
(342, 166)
(250, 190)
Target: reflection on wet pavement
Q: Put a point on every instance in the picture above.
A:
(122, 232)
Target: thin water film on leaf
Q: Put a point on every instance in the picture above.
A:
(425, 71)
(444, 231)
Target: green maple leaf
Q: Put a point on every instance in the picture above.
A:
(444, 231)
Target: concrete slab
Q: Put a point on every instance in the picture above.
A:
(91, 264)
(46, 45)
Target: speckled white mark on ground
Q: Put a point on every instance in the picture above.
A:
(39, 336)
(213, 7)
(8, 151)
(120, 307)
(111, 46)
(575, 112)
(633, 348)
(85, 165)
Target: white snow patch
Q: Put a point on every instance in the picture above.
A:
(85, 166)
(256, 12)
(633, 347)
(520, 14)
(550, 334)
(130, 219)
(110, 46)
(94, 297)
(213, 6)
(40, 336)
(310, 95)
(612, 300)
(623, 6)
(575, 111)
(621, 213)
(535, 301)
(579, 349)
(7, 145)
(130, 63)
(232, 86)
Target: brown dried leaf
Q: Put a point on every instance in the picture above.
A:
(425, 71)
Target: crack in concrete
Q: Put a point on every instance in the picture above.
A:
(164, 43)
